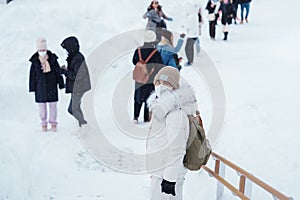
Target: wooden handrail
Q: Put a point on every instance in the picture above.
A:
(245, 175)
(225, 183)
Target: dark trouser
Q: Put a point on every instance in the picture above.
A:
(189, 49)
(141, 94)
(137, 109)
(212, 29)
(74, 107)
(235, 11)
(247, 7)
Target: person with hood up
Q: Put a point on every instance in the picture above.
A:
(170, 104)
(167, 49)
(191, 27)
(77, 77)
(43, 80)
(143, 91)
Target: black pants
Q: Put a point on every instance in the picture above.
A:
(74, 107)
(189, 49)
(212, 29)
(141, 94)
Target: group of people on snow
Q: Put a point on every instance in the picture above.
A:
(167, 98)
(46, 76)
(228, 10)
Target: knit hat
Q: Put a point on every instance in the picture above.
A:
(170, 75)
(149, 36)
(41, 44)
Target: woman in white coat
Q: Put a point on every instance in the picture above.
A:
(170, 104)
(191, 26)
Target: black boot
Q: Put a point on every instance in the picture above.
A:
(225, 35)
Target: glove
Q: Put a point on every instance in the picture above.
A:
(168, 187)
(62, 86)
(63, 70)
(182, 35)
(170, 19)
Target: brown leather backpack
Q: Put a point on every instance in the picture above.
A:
(140, 73)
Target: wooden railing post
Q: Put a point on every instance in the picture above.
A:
(221, 173)
(246, 180)
(244, 190)
(245, 185)
(217, 166)
(242, 184)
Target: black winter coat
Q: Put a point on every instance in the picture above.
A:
(77, 70)
(209, 8)
(155, 61)
(227, 13)
(245, 1)
(45, 84)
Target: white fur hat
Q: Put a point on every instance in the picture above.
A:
(149, 36)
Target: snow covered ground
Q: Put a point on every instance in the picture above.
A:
(259, 68)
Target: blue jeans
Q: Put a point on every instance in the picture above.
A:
(243, 6)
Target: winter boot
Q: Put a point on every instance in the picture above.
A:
(188, 63)
(82, 123)
(53, 128)
(225, 35)
(44, 128)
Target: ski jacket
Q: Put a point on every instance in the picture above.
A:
(153, 18)
(169, 131)
(77, 68)
(191, 23)
(45, 84)
(77, 71)
(213, 9)
(245, 1)
(167, 51)
(227, 13)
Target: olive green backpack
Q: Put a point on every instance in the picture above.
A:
(198, 148)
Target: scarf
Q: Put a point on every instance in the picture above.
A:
(45, 64)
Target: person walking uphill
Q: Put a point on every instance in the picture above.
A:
(143, 90)
(191, 26)
(167, 49)
(213, 8)
(245, 4)
(227, 10)
(43, 80)
(155, 16)
(170, 104)
(77, 77)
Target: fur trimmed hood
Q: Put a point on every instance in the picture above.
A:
(183, 98)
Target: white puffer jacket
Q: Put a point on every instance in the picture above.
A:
(169, 129)
(191, 23)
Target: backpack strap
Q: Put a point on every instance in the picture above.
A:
(151, 72)
(199, 118)
(147, 60)
(140, 55)
(150, 56)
